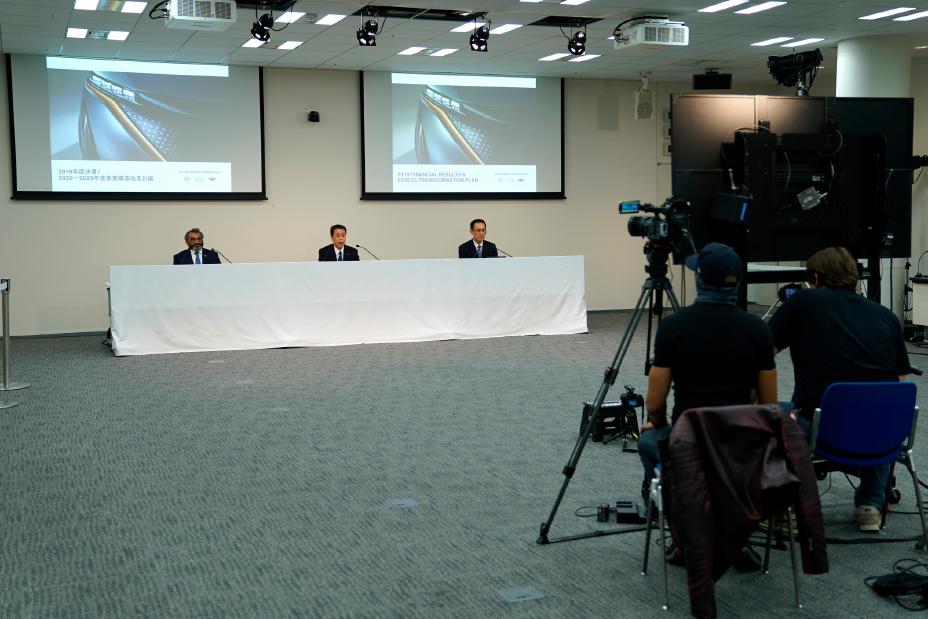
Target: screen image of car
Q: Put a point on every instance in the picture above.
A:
(473, 126)
(138, 117)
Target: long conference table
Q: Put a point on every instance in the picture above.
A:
(169, 309)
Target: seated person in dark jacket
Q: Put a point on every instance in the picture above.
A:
(195, 253)
(479, 247)
(337, 251)
(836, 335)
(712, 352)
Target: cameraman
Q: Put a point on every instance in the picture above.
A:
(835, 335)
(714, 353)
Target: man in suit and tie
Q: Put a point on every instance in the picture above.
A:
(337, 251)
(195, 253)
(479, 247)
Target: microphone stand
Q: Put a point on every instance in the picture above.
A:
(221, 254)
(368, 251)
(504, 252)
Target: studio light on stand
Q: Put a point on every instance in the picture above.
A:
(367, 33)
(796, 70)
(478, 40)
(576, 44)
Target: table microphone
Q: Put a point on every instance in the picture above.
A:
(368, 251)
(221, 254)
(504, 252)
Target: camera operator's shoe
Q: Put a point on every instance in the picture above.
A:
(868, 517)
(674, 555)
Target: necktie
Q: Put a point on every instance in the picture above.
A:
(196, 257)
(339, 255)
(480, 251)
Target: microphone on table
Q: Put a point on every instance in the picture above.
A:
(221, 254)
(504, 252)
(368, 251)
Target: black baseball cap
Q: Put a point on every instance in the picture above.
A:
(717, 264)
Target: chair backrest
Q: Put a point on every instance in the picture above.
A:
(865, 424)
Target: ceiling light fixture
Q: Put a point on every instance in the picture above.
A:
(757, 8)
(882, 14)
(290, 45)
(289, 17)
(367, 33)
(576, 44)
(85, 5)
(77, 33)
(919, 15)
(802, 42)
(505, 28)
(133, 7)
(444, 52)
(772, 41)
(409, 51)
(721, 6)
(556, 56)
(331, 18)
(478, 39)
(584, 58)
(117, 35)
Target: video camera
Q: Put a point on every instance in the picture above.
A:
(669, 223)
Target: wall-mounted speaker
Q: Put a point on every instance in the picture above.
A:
(644, 104)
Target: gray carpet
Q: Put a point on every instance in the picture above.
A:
(392, 480)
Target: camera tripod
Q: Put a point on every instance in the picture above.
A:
(655, 287)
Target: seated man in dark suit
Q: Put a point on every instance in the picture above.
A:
(337, 251)
(479, 247)
(195, 253)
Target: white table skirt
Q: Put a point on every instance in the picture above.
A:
(164, 309)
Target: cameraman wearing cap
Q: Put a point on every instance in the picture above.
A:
(712, 352)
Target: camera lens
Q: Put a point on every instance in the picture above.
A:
(636, 226)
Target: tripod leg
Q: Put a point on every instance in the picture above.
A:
(608, 380)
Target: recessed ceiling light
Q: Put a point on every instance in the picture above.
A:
(289, 17)
(912, 16)
(757, 8)
(921, 47)
(721, 6)
(556, 56)
(85, 5)
(409, 51)
(77, 33)
(505, 28)
(253, 43)
(882, 14)
(290, 45)
(464, 27)
(584, 58)
(581, 1)
(801, 43)
(772, 41)
(444, 52)
(117, 35)
(328, 20)
(133, 7)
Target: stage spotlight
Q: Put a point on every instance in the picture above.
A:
(261, 29)
(478, 40)
(796, 70)
(576, 45)
(367, 34)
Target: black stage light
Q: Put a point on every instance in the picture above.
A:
(478, 40)
(576, 45)
(796, 70)
(261, 29)
(367, 34)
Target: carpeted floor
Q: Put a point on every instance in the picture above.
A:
(392, 480)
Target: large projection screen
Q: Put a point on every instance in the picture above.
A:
(112, 129)
(436, 136)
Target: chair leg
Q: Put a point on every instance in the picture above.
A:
(647, 535)
(771, 522)
(660, 517)
(910, 465)
(792, 555)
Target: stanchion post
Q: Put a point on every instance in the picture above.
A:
(7, 384)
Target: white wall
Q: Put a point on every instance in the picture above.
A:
(58, 253)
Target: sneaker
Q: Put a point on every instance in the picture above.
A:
(868, 517)
(674, 555)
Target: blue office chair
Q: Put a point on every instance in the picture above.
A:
(861, 425)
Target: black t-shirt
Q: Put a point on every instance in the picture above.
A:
(714, 352)
(834, 336)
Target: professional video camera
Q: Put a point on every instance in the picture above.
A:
(616, 419)
(669, 222)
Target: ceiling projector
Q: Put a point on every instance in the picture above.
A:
(650, 33)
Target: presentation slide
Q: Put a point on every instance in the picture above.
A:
(95, 127)
(461, 136)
